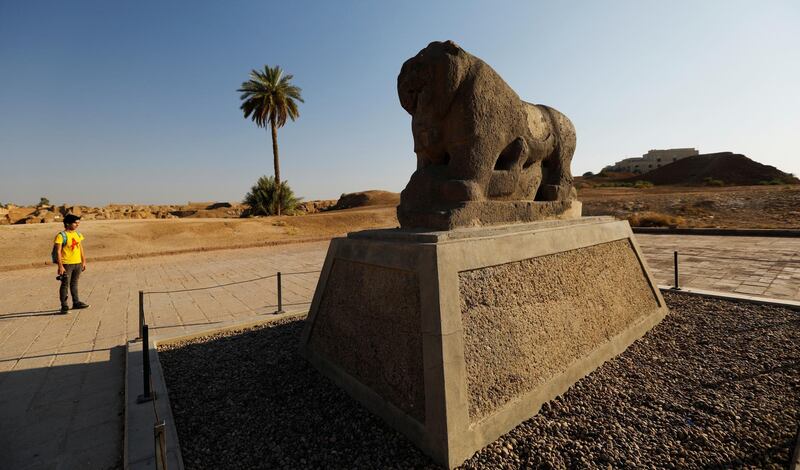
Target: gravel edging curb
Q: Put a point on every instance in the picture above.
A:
(753, 299)
(229, 326)
(138, 441)
(729, 232)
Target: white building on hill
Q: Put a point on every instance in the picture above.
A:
(651, 160)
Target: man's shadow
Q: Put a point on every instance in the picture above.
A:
(38, 313)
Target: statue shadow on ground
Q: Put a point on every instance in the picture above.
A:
(68, 414)
(251, 399)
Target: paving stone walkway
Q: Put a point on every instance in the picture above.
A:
(61, 377)
(759, 266)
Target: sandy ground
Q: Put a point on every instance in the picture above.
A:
(30, 245)
(726, 207)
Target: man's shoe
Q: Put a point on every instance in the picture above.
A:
(79, 305)
(64, 310)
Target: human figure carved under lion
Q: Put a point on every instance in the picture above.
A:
(476, 140)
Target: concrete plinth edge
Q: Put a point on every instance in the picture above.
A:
(488, 213)
(753, 299)
(140, 418)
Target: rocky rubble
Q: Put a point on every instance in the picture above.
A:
(43, 214)
(777, 207)
(312, 207)
(716, 384)
(4, 217)
(373, 197)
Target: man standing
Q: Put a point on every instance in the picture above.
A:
(71, 261)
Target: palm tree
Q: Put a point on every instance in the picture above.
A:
(270, 97)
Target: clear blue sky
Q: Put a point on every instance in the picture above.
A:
(106, 101)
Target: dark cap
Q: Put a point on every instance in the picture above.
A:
(70, 218)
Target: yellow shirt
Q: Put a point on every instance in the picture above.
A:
(71, 252)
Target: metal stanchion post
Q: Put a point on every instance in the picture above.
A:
(148, 394)
(677, 286)
(141, 313)
(160, 435)
(280, 296)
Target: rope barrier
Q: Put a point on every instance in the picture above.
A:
(159, 427)
(226, 285)
(194, 289)
(738, 258)
(303, 272)
(782, 263)
(208, 287)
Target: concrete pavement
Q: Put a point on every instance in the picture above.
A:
(61, 377)
(760, 266)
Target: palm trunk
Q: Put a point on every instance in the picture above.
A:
(276, 163)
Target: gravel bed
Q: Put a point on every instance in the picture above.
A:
(716, 384)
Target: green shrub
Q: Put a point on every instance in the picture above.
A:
(619, 184)
(588, 174)
(654, 219)
(263, 198)
(642, 184)
(709, 181)
(43, 201)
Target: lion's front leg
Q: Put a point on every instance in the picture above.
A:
(461, 191)
(467, 175)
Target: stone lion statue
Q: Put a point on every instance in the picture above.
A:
(477, 142)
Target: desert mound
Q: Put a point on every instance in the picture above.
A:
(367, 198)
(604, 178)
(721, 168)
(15, 215)
(30, 244)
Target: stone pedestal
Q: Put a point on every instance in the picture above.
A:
(486, 213)
(456, 337)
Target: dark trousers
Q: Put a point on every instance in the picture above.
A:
(70, 280)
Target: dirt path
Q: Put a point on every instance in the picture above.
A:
(30, 245)
(725, 207)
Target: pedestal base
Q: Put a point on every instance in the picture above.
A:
(487, 213)
(456, 337)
